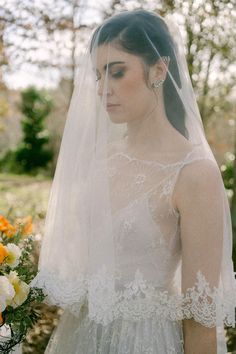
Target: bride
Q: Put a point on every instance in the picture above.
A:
(137, 246)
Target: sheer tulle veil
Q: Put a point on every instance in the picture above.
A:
(78, 262)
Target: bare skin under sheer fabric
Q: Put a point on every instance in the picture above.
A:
(148, 308)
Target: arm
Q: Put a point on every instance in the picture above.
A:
(197, 196)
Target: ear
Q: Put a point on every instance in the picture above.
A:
(159, 70)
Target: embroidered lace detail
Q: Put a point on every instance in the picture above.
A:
(140, 178)
(119, 337)
(166, 189)
(60, 292)
(128, 225)
(138, 299)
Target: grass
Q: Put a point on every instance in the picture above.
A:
(24, 194)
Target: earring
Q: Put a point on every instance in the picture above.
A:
(157, 83)
(166, 59)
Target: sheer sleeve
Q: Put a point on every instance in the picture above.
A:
(207, 277)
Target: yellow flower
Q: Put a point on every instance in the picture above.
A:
(7, 292)
(21, 289)
(3, 252)
(14, 253)
(25, 224)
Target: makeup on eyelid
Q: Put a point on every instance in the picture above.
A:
(115, 73)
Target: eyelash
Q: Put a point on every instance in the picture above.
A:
(117, 75)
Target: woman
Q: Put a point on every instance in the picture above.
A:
(137, 248)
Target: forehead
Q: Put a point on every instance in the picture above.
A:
(108, 53)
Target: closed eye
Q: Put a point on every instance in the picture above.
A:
(118, 74)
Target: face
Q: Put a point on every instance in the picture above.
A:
(121, 78)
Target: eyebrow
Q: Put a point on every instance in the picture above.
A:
(109, 65)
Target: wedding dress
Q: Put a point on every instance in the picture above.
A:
(148, 312)
(112, 254)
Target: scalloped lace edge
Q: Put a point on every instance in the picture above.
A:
(138, 300)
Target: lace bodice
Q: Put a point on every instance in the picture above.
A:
(145, 225)
(147, 241)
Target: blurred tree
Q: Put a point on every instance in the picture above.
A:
(49, 35)
(3, 57)
(4, 107)
(229, 172)
(31, 154)
(42, 36)
(233, 203)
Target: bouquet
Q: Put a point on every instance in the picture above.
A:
(17, 269)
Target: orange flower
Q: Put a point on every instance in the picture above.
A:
(3, 252)
(4, 223)
(10, 231)
(25, 224)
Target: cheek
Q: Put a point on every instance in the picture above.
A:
(133, 88)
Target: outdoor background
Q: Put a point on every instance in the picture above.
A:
(40, 44)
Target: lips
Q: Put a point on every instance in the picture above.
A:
(112, 104)
(112, 107)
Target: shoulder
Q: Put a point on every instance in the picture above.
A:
(199, 201)
(199, 180)
(199, 172)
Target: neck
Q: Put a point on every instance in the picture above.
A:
(152, 131)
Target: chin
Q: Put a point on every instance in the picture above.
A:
(117, 118)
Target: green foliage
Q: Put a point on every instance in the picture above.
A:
(21, 320)
(228, 173)
(32, 154)
(8, 163)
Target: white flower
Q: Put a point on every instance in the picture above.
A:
(14, 253)
(21, 289)
(7, 292)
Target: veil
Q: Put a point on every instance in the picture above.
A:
(117, 153)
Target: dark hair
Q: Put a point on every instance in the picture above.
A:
(131, 30)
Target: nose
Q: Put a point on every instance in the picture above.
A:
(103, 89)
